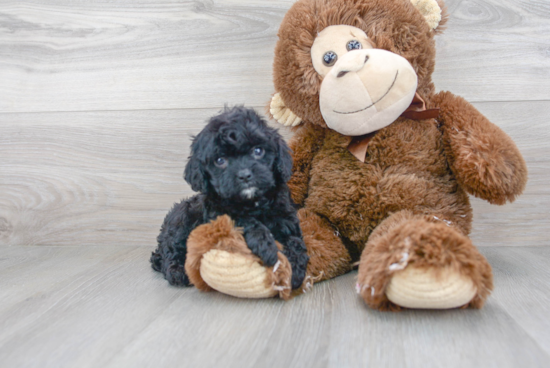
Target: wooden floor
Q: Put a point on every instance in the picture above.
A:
(98, 100)
(97, 306)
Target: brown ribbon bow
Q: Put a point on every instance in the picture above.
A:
(416, 111)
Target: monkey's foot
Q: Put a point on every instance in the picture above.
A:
(430, 289)
(424, 265)
(218, 258)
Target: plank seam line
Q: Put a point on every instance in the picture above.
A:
(209, 108)
(126, 110)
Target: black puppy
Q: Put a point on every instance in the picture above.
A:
(240, 166)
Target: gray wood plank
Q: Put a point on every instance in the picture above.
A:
(524, 222)
(55, 56)
(98, 178)
(107, 178)
(27, 271)
(81, 317)
(127, 55)
(116, 312)
(110, 177)
(522, 288)
(486, 37)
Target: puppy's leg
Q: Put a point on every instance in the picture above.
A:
(259, 240)
(169, 257)
(286, 230)
(296, 253)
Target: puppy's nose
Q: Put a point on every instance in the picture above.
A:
(244, 175)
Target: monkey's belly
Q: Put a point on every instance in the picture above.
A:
(356, 202)
(349, 200)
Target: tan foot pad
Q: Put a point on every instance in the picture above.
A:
(420, 288)
(236, 275)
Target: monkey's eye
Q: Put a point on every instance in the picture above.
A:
(258, 152)
(221, 162)
(329, 58)
(354, 45)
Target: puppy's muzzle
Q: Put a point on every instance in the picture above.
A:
(244, 176)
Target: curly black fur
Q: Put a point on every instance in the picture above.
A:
(240, 166)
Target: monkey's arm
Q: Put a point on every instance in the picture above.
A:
(483, 158)
(305, 144)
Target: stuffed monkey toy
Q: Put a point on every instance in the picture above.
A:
(383, 165)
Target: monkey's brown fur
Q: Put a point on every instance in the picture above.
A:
(411, 191)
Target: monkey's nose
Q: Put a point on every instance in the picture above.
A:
(244, 175)
(352, 61)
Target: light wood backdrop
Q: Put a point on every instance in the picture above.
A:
(98, 101)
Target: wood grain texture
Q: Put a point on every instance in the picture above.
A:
(98, 100)
(522, 288)
(527, 220)
(495, 50)
(126, 55)
(109, 178)
(136, 55)
(106, 308)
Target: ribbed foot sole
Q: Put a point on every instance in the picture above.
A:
(235, 275)
(424, 289)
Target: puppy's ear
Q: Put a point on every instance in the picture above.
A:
(283, 162)
(194, 174)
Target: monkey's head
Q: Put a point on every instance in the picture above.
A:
(354, 65)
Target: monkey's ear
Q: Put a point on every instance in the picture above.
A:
(434, 12)
(194, 175)
(282, 114)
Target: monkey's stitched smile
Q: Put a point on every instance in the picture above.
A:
(374, 103)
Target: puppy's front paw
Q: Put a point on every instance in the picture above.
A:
(299, 271)
(296, 252)
(262, 244)
(175, 275)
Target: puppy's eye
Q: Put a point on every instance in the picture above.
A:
(258, 152)
(221, 162)
(329, 58)
(354, 45)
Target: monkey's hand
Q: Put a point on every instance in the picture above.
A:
(305, 144)
(483, 158)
